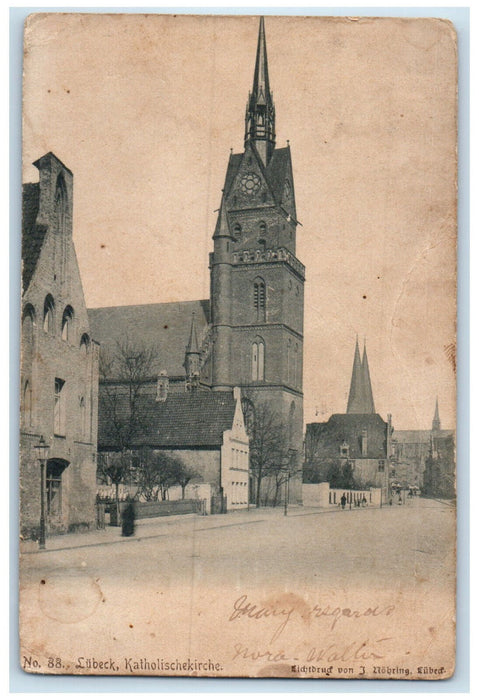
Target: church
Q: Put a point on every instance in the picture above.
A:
(249, 333)
(359, 439)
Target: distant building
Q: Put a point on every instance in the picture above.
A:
(351, 449)
(415, 455)
(204, 429)
(59, 364)
(249, 333)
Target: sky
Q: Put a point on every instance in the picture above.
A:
(144, 110)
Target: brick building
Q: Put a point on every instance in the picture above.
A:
(359, 439)
(59, 364)
(250, 331)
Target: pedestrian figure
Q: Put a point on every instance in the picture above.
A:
(365, 503)
(128, 520)
(343, 501)
(390, 501)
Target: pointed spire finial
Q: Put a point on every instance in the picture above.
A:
(260, 117)
(436, 421)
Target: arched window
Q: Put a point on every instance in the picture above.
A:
(257, 360)
(27, 403)
(67, 323)
(83, 417)
(262, 229)
(84, 342)
(48, 314)
(237, 230)
(288, 361)
(60, 211)
(28, 327)
(292, 410)
(296, 365)
(259, 299)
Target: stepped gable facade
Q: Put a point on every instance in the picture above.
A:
(59, 363)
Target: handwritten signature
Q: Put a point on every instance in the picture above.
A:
(242, 607)
(358, 650)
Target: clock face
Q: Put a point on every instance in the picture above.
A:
(250, 183)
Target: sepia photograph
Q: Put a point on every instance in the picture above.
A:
(238, 346)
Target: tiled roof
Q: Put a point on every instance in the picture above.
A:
(187, 420)
(32, 235)
(348, 427)
(164, 327)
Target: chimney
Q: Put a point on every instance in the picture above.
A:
(162, 385)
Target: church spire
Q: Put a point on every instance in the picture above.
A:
(436, 421)
(192, 356)
(360, 393)
(368, 401)
(354, 399)
(260, 117)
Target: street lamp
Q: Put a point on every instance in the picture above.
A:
(42, 454)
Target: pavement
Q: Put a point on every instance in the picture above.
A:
(164, 526)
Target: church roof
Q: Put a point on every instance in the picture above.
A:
(348, 427)
(187, 420)
(418, 436)
(164, 327)
(32, 235)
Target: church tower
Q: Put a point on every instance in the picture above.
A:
(257, 283)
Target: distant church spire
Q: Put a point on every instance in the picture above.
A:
(260, 116)
(360, 392)
(368, 401)
(436, 421)
(354, 400)
(192, 355)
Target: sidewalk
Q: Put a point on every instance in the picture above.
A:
(166, 525)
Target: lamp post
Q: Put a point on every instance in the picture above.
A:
(42, 454)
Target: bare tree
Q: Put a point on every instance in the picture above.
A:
(184, 476)
(122, 377)
(156, 472)
(269, 456)
(123, 413)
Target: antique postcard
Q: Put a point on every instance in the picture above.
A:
(237, 448)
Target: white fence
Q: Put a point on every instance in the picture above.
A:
(325, 497)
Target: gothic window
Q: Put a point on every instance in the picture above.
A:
(257, 360)
(296, 365)
(84, 343)
(60, 210)
(83, 417)
(59, 407)
(237, 230)
(288, 360)
(259, 298)
(292, 410)
(28, 325)
(262, 228)
(27, 403)
(48, 311)
(67, 323)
